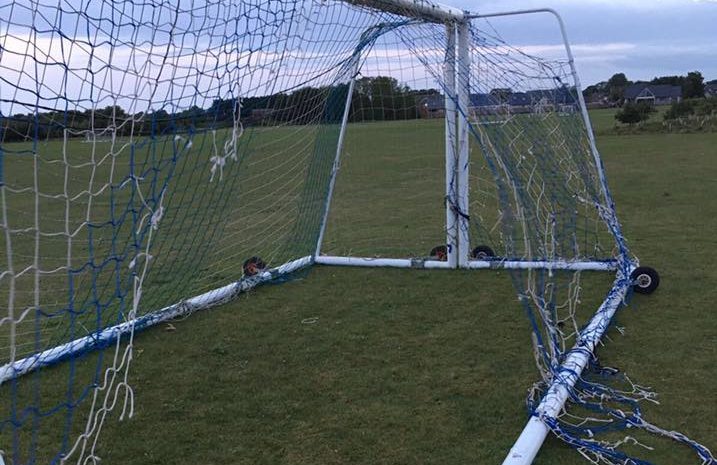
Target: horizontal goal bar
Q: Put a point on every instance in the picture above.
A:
(607, 265)
(109, 335)
(381, 262)
(422, 9)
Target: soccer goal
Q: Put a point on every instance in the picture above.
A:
(160, 158)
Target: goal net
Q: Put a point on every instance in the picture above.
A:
(151, 152)
(161, 157)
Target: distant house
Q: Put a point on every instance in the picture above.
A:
(533, 101)
(431, 106)
(711, 89)
(662, 94)
(505, 102)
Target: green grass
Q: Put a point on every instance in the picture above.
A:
(367, 366)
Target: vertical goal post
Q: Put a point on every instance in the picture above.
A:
(457, 90)
(457, 127)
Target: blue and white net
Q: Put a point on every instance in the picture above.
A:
(539, 194)
(149, 148)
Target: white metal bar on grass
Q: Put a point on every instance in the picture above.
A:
(449, 76)
(472, 264)
(103, 338)
(608, 265)
(382, 262)
(531, 439)
(463, 164)
(415, 8)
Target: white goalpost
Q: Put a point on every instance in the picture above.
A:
(458, 251)
(456, 81)
(217, 169)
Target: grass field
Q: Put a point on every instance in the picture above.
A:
(366, 366)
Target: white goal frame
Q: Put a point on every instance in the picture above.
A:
(456, 76)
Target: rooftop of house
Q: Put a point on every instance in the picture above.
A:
(657, 90)
(560, 96)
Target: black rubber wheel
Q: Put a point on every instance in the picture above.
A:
(645, 280)
(483, 252)
(440, 253)
(253, 266)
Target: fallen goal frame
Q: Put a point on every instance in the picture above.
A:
(458, 247)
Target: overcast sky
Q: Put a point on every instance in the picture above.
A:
(642, 38)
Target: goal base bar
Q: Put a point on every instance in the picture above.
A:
(606, 265)
(109, 335)
(531, 439)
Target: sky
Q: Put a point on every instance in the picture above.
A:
(139, 64)
(642, 38)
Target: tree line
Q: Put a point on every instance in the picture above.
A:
(693, 99)
(373, 99)
(379, 98)
(613, 90)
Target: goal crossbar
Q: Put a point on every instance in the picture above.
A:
(420, 9)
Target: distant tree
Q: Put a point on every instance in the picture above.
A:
(375, 99)
(694, 85)
(706, 107)
(502, 94)
(618, 80)
(680, 110)
(668, 80)
(223, 109)
(696, 106)
(595, 91)
(382, 98)
(632, 113)
(112, 111)
(616, 86)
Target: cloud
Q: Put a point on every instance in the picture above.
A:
(582, 50)
(507, 5)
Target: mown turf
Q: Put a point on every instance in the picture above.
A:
(400, 366)
(365, 366)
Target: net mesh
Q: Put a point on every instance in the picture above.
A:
(539, 194)
(148, 149)
(389, 110)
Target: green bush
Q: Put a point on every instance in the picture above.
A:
(632, 113)
(692, 107)
(680, 110)
(706, 107)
